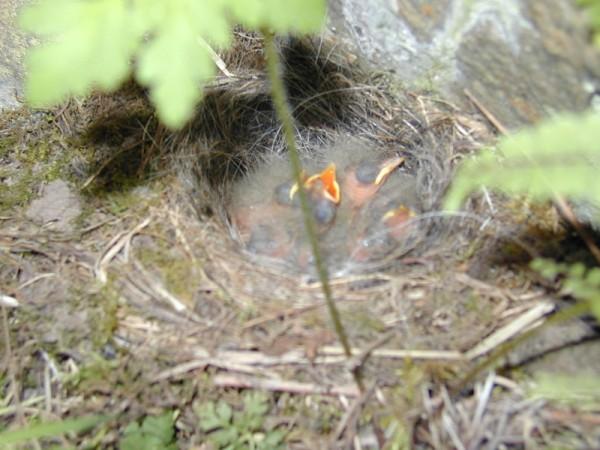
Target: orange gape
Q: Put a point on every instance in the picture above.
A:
(331, 188)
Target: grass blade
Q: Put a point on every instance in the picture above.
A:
(50, 429)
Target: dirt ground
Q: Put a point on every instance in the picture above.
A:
(134, 299)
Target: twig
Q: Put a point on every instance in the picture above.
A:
(159, 290)
(483, 400)
(8, 301)
(286, 314)
(400, 354)
(218, 362)
(352, 413)
(216, 58)
(180, 370)
(293, 387)
(6, 337)
(10, 369)
(9, 410)
(486, 112)
(253, 358)
(118, 243)
(35, 279)
(47, 389)
(568, 313)
(361, 358)
(491, 290)
(513, 328)
(327, 355)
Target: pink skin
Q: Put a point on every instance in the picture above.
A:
(274, 242)
(395, 221)
(358, 192)
(248, 220)
(394, 224)
(263, 230)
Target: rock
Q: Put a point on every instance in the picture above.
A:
(56, 208)
(521, 60)
(579, 359)
(13, 43)
(552, 340)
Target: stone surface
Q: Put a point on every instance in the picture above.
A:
(56, 208)
(521, 60)
(13, 44)
(580, 359)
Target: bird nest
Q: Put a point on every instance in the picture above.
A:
(234, 159)
(194, 295)
(417, 300)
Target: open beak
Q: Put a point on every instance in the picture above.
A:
(388, 167)
(331, 188)
(327, 178)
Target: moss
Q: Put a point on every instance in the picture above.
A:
(7, 144)
(104, 320)
(318, 416)
(18, 192)
(88, 209)
(471, 250)
(33, 150)
(126, 201)
(92, 375)
(33, 162)
(473, 303)
(178, 274)
(363, 321)
(316, 319)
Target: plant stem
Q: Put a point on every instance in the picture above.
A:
(284, 114)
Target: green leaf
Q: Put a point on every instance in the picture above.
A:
(595, 306)
(225, 436)
(89, 44)
(546, 267)
(240, 429)
(156, 433)
(593, 11)
(50, 429)
(176, 63)
(255, 408)
(273, 439)
(582, 391)
(224, 411)
(132, 438)
(213, 417)
(582, 283)
(594, 276)
(304, 16)
(160, 426)
(92, 43)
(577, 270)
(560, 156)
